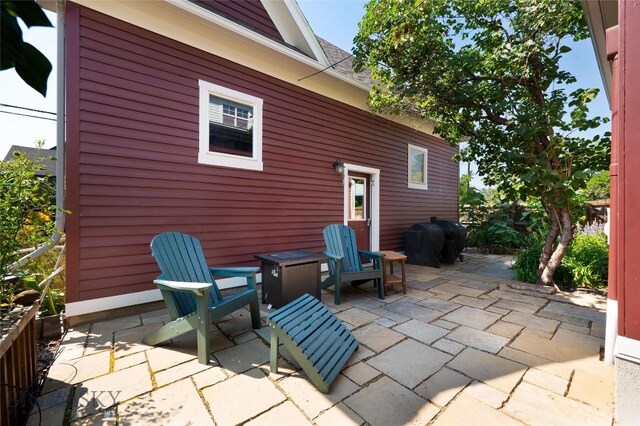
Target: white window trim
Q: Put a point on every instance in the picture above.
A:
(414, 185)
(222, 159)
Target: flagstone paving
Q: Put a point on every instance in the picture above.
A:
(460, 348)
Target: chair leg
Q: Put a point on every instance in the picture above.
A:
(380, 288)
(255, 314)
(274, 352)
(336, 290)
(203, 329)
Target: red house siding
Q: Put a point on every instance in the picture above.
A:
(132, 168)
(249, 12)
(625, 173)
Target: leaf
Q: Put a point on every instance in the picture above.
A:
(27, 10)
(11, 39)
(34, 68)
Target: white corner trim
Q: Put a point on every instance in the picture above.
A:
(611, 330)
(628, 349)
(375, 199)
(265, 41)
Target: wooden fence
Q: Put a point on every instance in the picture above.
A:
(18, 364)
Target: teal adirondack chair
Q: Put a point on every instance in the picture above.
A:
(344, 261)
(191, 294)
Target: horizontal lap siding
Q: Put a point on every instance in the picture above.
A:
(137, 172)
(249, 12)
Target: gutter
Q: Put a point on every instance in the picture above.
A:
(60, 138)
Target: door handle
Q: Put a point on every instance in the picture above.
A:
(369, 221)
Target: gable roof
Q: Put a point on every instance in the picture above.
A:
(251, 14)
(342, 61)
(44, 157)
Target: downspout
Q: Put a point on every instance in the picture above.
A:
(611, 330)
(60, 137)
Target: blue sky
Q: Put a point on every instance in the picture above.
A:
(333, 20)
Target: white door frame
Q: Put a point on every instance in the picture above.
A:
(375, 199)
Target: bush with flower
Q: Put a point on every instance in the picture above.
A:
(27, 206)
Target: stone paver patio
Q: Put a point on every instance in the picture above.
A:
(460, 348)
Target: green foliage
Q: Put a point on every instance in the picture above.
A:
(26, 221)
(588, 260)
(489, 71)
(526, 262)
(495, 235)
(584, 265)
(30, 64)
(488, 226)
(598, 187)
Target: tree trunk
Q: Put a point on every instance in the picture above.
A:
(566, 236)
(549, 242)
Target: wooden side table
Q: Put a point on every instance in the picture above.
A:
(390, 278)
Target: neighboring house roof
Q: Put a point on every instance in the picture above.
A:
(599, 203)
(342, 61)
(45, 157)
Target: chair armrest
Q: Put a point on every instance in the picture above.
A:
(371, 254)
(332, 256)
(182, 286)
(247, 271)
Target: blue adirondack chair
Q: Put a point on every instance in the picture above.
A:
(191, 294)
(344, 261)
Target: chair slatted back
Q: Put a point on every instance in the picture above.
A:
(341, 240)
(180, 258)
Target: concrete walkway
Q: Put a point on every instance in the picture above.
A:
(460, 348)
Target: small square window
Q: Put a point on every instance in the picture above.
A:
(230, 128)
(417, 167)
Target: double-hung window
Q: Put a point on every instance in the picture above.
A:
(417, 167)
(230, 128)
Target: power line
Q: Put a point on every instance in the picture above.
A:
(27, 109)
(28, 115)
(326, 68)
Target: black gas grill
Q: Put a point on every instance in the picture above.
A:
(423, 244)
(455, 236)
(428, 244)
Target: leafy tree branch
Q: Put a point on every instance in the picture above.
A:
(489, 72)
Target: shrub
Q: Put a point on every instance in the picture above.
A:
(25, 202)
(495, 235)
(526, 262)
(488, 222)
(588, 259)
(598, 187)
(584, 265)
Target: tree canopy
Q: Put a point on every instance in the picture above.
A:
(489, 72)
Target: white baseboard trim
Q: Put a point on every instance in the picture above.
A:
(112, 302)
(628, 349)
(123, 300)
